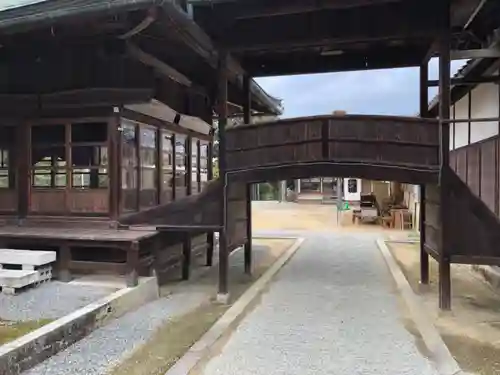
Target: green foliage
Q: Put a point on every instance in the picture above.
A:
(268, 192)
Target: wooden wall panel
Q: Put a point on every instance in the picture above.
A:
(478, 166)
(89, 201)
(335, 139)
(236, 215)
(432, 218)
(473, 169)
(48, 201)
(8, 200)
(461, 156)
(488, 163)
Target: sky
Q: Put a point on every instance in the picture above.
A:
(388, 92)
(5, 4)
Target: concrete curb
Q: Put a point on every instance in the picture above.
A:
(31, 349)
(444, 361)
(202, 348)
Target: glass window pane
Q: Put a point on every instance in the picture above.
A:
(103, 181)
(81, 179)
(86, 156)
(89, 132)
(4, 182)
(41, 178)
(129, 178)
(47, 134)
(60, 179)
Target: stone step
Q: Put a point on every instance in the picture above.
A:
(12, 280)
(26, 257)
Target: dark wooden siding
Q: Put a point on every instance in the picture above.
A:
(478, 166)
(364, 141)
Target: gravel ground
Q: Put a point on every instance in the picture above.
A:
(331, 310)
(49, 301)
(105, 347)
(97, 353)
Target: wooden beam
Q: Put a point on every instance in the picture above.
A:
(483, 53)
(334, 27)
(433, 48)
(223, 112)
(475, 13)
(304, 63)
(467, 81)
(160, 66)
(270, 9)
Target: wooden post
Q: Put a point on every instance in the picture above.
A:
(132, 278)
(159, 166)
(186, 257)
(114, 167)
(189, 165)
(174, 167)
(223, 240)
(64, 262)
(23, 157)
(424, 109)
(247, 118)
(444, 114)
(210, 176)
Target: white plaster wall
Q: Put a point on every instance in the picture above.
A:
(461, 129)
(484, 104)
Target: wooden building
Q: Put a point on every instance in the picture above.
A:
(106, 112)
(270, 38)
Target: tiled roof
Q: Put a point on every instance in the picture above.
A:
(32, 12)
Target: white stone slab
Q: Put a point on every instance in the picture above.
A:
(26, 257)
(17, 278)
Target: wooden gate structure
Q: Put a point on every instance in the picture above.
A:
(147, 77)
(273, 37)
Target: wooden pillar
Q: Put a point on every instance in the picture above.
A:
(114, 167)
(186, 256)
(210, 176)
(247, 108)
(132, 278)
(174, 167)
(22, 150)
(189, 165)
(223, 115)
(444, 185)
(424, 109)
(159, 166)
(64, 263)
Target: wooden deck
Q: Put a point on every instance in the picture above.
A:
(76, 234)
(126, 252)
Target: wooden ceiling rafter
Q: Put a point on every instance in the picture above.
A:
(350, 26)
(248, 10)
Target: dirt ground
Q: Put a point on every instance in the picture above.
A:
(172, 340)
(304, 216)
(472, 329)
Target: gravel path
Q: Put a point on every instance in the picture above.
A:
(107, 346)
(49, 301)
(331, 310)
